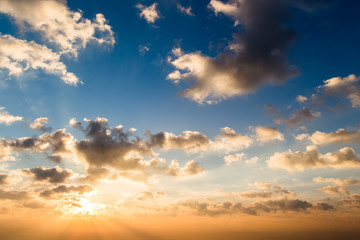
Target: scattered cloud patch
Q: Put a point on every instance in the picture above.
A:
(6, 118)
(312, 158)
(149, 13)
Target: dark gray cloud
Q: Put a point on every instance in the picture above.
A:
(257, 56)
(4, 179)
(52, 175)
(298, 117)
(54, 145)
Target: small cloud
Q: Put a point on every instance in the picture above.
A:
(268, 134)
(39, 124)
(8, 119)
(184, 9)
(301, 99)
(149, 13)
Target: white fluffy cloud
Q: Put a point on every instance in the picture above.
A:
(6, 118)
(39, 124)
(347, 87)
(18, 56)
(63, 31)
(341, 136)
(230, 141)
(312, 158)
(149, 13)
(59, 25)
(267, 134)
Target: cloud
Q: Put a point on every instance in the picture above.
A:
(263, 185)
(52, 175)
(190, 168)
(190, 141)
(144, 48)
(312, 158)
(39, 124)
(68, 30)
(64, 189)
(184, 9)
(253, 194)
(301, 99)
(347, 87)
(4, 179)
(341, 136)
(229, 159)
(5, 117)
(268, 134)
(230, 141)
(18, 56)
(14, 195)
(58, 143)
(351, 201)
(96, 173)
(298, 117)
(258, 53)
(333, 189)
(338, 181)
(207, 208)
(149, 13)
(216, 209)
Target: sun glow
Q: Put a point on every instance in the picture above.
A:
(84, 208)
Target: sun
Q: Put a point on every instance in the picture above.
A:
(83, 207)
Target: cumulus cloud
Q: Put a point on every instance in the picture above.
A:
(39, 124)
(96, 173)
(67, 29)
(333, 189)
(52, 175)
(5, 117)
(312, 158)
(18, 56)
(186, 10)
(230, 141)
(341, 136)
(258, 56)
(351, 201)
(190, 141)
(64, 189)
(268, 134)
(190, 168)
(229, 159)
(149, 13)
(347, 87)
(338, 181)
(298, 117)
(58, 144)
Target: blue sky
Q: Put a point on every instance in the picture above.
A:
(254, 99)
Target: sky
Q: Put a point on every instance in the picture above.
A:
(148, 119)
